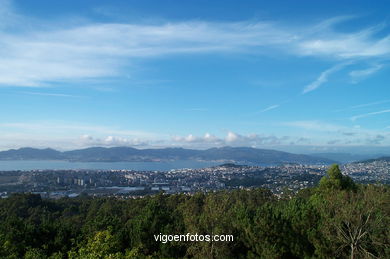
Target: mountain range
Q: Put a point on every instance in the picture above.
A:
(119, 154)
(347, 157)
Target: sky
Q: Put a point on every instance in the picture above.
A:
(299, 76)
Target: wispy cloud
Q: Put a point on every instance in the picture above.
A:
(314, 125)
(51, 94)
(358, 106)
(66, 135)
(41, 54)
(361, 44)
(67, 128)
(375, 140)
(8, 16)
(354, 118)
(323, 78)
(357, 75)
(270, 108)
(333, 134)
(369, 104)
(41, 57)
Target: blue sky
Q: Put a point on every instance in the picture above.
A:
(301, 76)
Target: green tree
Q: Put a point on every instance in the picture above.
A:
(335, 180)
(356, 223)
(101, 246)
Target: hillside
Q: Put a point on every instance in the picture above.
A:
(117, 154)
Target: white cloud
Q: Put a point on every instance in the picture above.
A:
(359, 106)
(322, 133)
(112, 141)
(314, 125)
(86, 137)
(72, 141)
(361, 44)
(210, 138)
(191, 139)
(254, 140)
(369, 104)
(51, 94)
(8, 17)
(66, 129)
(40, 54)
(375, 140)
(357, 75)
(70, 135)
(323, 78)
(270, 108)
(90, 51)
(231, 139)
(353, 118)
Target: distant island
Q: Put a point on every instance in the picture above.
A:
(127, 154)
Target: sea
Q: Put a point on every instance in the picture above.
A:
(11, 165)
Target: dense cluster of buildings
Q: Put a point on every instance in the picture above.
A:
(130, 183)
(369, 172)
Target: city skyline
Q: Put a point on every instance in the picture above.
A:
(307, 77)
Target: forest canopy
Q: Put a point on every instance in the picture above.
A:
(336, 219)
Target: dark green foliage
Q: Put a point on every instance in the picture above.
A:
(335, 180)
(337, 219)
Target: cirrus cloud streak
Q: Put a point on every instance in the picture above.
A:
(42, 55)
